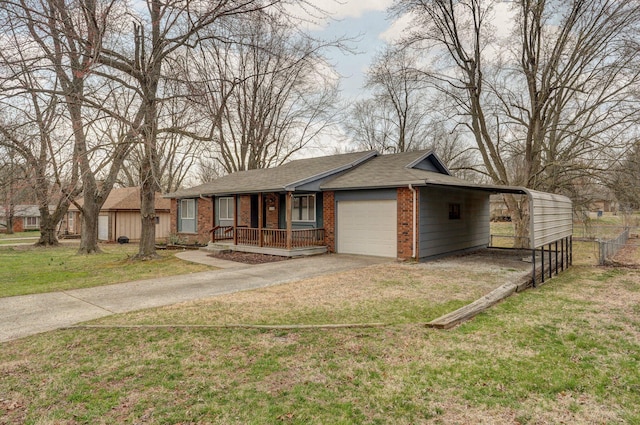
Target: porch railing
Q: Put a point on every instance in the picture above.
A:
(271, 238)
(221, 233)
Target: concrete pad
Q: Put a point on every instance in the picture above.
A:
(31, 314)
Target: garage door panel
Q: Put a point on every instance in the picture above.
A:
(367, 227)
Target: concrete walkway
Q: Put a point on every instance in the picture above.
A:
(26, 315)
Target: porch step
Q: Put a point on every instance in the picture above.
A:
(217, 248)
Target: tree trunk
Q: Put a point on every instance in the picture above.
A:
(48, 234)
(518, 206)
(147, 247)
(89, 232)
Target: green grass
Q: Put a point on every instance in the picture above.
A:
(567, 352)
(19, 237)
(29, 270)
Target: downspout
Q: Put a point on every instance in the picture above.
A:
(415, 221)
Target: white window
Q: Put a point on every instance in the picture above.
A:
(225, 208)
(187, 216)
(70, 222)
(304, 208)
(32, 222)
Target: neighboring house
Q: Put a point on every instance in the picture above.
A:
(404, 205)
(120, 216)
(25, 217)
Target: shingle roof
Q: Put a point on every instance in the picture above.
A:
(285, 177)
(22, 211)
(393, 171)
(128, 198)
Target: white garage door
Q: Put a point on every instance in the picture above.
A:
(368, 228)
(103, 227)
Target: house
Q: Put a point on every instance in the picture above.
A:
(25, 217)
(120, 216)
(405, 205)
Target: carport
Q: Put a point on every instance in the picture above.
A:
(550, 225)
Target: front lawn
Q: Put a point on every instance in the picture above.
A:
(567, 352)
(30, 270)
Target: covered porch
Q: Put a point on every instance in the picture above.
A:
(285, 224)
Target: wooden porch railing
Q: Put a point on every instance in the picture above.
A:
(277, 238)
(221, 233)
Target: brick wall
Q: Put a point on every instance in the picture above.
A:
(244, 219)
(329, 217)
(204, 222)
(272, 200)
(405, 223)
(173, 211)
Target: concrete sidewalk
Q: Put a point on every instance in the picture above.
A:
(26, 315)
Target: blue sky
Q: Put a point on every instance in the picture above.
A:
(365, 21)
(367, 30)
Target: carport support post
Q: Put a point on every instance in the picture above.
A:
(289, 198)
(550, 262)
(235, 219)
(556, 258)
(542, 260)
(260, 203)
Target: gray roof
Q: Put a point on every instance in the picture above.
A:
(286, 177)
(23, 211)
(415, 168)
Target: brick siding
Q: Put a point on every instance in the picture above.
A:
(405, 223)
(329, 217)
(204, 222)
(244, 219)
(272, 202)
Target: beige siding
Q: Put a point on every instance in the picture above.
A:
(552, 218)
(440, 235)
(128, 223)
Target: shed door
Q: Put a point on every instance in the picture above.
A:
(103, 227)
(367, 227)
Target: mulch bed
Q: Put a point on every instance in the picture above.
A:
(248, 257)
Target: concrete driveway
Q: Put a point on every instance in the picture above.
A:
(26, 315)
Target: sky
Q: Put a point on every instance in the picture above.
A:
(367, 22)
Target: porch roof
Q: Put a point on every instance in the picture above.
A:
(287, 177)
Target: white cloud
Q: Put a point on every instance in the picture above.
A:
(353, 8)
(397, 29)
(335, 9)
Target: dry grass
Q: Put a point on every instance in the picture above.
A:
(567, 352)
(388, 293)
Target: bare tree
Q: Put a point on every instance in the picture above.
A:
(264, 92)
(162, 33)
(63, 39)
(370, 126)
(555, 103)
(399, 91)
(625, 181)
(32, 124)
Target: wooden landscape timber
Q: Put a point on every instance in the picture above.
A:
(502, 292)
